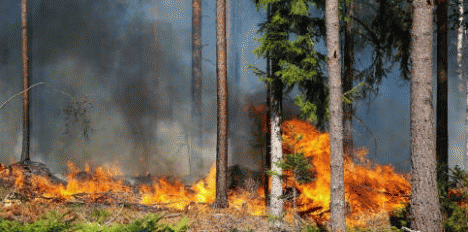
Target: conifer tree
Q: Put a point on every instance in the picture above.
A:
(337, 191)
(425, 207)
(292, 62)
(25, 56)
(222, 125)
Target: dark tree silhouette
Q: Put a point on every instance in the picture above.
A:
(196, 77)
(266, 183)
(348, 80)
(442, 132)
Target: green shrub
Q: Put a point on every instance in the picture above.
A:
(401, 218)
(458, 220)
(52, 222)
(313, 228)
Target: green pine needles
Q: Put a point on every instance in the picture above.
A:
(288, 39)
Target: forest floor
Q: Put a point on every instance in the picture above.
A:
(26, 206)
(15, 206)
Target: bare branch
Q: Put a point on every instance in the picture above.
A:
(409, 230)
(11, 98)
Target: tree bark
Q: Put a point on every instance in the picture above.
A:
(25, 56)
(222, 125)
(442, 132)
(276, 108)
(348, 81)
(337, 200)
(196, 80)
(425, 207)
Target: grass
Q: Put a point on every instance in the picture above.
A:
(43, 215)
(55, 222)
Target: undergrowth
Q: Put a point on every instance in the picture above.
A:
(453, 206)
(54, 222)
(454, 209)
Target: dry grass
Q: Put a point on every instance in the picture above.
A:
(24, 208)
(15, 206)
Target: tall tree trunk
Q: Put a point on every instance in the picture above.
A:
(425, 207)
(276, 108)
(337, 199)
(461, 30)
(196, 81)
(25, 56)
(222, 143)
(442, 133)
(348, 81)
(266, 182)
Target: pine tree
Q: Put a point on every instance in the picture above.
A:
(267, 159)
(425, 207)
(337, 199)
(291, 62)
(25, 56)
(348, 78)
(196, 79)
(222, 127)
(442, 96)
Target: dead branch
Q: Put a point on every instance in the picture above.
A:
(173, 215)
(32, 86)
(15, 95)
(409, 230)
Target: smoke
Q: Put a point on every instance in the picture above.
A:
(128, 70)
(117, 90)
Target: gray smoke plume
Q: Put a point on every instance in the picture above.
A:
(117, 90)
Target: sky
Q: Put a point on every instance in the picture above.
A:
(127, 65)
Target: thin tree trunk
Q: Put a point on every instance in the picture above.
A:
(425, 207)
(442, 132)
(196, 80)
(222, 125)
(337, 200)
(276, 204)
(266, 184)
(348, 81)
(25, 56)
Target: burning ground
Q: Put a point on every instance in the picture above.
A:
(372, 190)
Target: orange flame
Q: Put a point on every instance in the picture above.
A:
(370, 189)
(367, 189)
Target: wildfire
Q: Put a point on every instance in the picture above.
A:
(370, 189)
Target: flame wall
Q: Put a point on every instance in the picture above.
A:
(370, 188)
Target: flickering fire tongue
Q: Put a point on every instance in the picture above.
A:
(370, 188)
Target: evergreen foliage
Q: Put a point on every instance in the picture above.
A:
(289, 40)
(296, 164)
